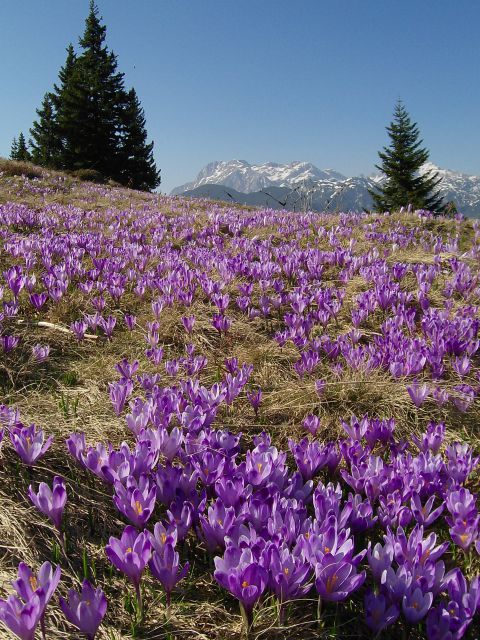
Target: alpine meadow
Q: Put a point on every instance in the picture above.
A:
(221, 421)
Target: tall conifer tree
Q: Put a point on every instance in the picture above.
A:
(138, 166)
(91, 103)
(404, 185)
(89, 121)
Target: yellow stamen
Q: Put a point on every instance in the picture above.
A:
(327, 549)
(259, 467)
(163, 538)
(33, 582)
(138, 508)
(331, 582)
(129, 550)
(244, 584)
(286, 571)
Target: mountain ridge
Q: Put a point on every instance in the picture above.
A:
(302, 184)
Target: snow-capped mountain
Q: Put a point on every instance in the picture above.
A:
(294, 185)
(247, 178)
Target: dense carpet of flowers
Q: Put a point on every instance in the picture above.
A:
(382, 522)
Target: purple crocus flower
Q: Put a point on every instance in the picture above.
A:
(357, 428)
(38, 299)
(415, 605)
(418, 393)
(167, 443)
(233, 491)
(76, 445)
(130, 554)
(165, 567)
(180, 515)
(127, 369)
(424, 515)
(221, 323)
(119, 393)
(220, 522)
(9, 343)
(289, 574)
(40, 352)
(130, 321)
(188, 323)
(379, 558)
(309, 456)
(396, 583)
(433, 438)
(108, 325)
(29, 442)
(255, 398)
(43, 584)
(79, 328)
(22, 618)
(378, 614)
(50, 502)
(312, 424)
(464, 532)
(163, 535)
(336, 580)
(239, 573)
(443, 622)
(136, 500)
(85, 610)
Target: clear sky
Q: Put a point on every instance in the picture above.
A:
(261, 80)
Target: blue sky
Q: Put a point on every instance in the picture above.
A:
(265, 80)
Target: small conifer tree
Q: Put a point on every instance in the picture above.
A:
(14, 149)
(401, 162)
(45, 140)
(19, 150)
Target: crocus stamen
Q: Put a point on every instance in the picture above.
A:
(331, 582)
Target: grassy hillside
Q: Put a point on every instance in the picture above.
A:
(337, 315)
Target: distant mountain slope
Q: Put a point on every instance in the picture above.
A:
(247, 178)
(299, 184)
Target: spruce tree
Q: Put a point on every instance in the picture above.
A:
(14, 149)
(45, 141)
(19, 150)
(89, 121)
(90, 105)
(64, 76)
(404, 185)
(138, 169)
